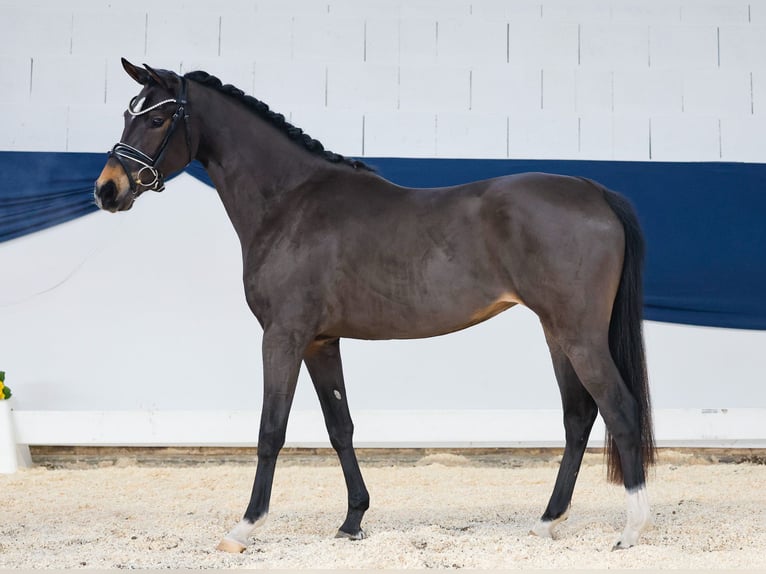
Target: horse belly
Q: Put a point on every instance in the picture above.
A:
(433, 311)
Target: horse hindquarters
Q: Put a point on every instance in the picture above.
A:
(597, 329)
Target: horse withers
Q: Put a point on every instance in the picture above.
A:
(331, 250)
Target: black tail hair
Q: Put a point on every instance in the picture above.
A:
(626, 340)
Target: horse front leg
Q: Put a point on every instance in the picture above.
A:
(282, 353)
(324, 365)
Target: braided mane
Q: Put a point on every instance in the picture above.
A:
(261, 109)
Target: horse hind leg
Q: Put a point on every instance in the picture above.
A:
(580, 412)
(325, 368)
(593, 363)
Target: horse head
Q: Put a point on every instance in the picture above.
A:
(151, 144)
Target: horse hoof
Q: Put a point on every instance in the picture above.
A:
(542, 532)
(358, 536)
(228, 545)
(620, 545)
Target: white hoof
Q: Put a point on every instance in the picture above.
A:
(544, 528)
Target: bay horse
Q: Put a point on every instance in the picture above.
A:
(331, 249)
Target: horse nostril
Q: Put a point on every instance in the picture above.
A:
(106, 194)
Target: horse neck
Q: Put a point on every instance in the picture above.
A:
(253, 165)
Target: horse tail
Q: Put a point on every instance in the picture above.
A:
(626, 340)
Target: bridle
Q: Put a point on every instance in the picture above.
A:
(122, 151)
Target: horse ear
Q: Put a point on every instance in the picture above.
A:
(163, 78)
(139, 75)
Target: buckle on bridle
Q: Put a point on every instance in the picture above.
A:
(122, 151)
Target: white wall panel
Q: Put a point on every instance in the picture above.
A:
(15, 78)
(328, 39)
(757, 12)
(168, 41)
(743, 47)
(252, 35)
(683, 46)
(366, 9)
(720, 93)
(111, 32)
(596, 136)
(308, 8)
(615, 137)
(631, 137)
(69, 79)
(594, 91)
(743, 139)
(540, 44)
(543, 135)
(461, 39)
(614, 45)
(503, 10)
(400, 134)
(581, 11)
(759, 92)
(484, 134)
(35, 31)
(434, 8)
(685, 138)
(647, 12)
(648, 91)
(717, 13)
(434, 88)
(288, 85)
(417, 41)
(559, 90)
(32, 127)
(381, 41)
(505, 89)
(87, 127)
(363, 86)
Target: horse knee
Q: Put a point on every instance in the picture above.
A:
(270, 444)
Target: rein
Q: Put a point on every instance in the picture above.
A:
(122, 151)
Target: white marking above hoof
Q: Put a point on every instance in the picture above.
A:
(544, 528)
(236, 540)
(639, 518)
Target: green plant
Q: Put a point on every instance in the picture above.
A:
(5, 392)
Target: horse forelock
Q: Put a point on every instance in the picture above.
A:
(262, 110)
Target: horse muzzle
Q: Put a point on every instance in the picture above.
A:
(112, 190)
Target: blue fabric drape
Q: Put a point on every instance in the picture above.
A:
(38, 190)
(705, 223)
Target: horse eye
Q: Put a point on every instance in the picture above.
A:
(157, 122)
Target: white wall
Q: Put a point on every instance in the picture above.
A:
(637, 80)
(144, 312)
